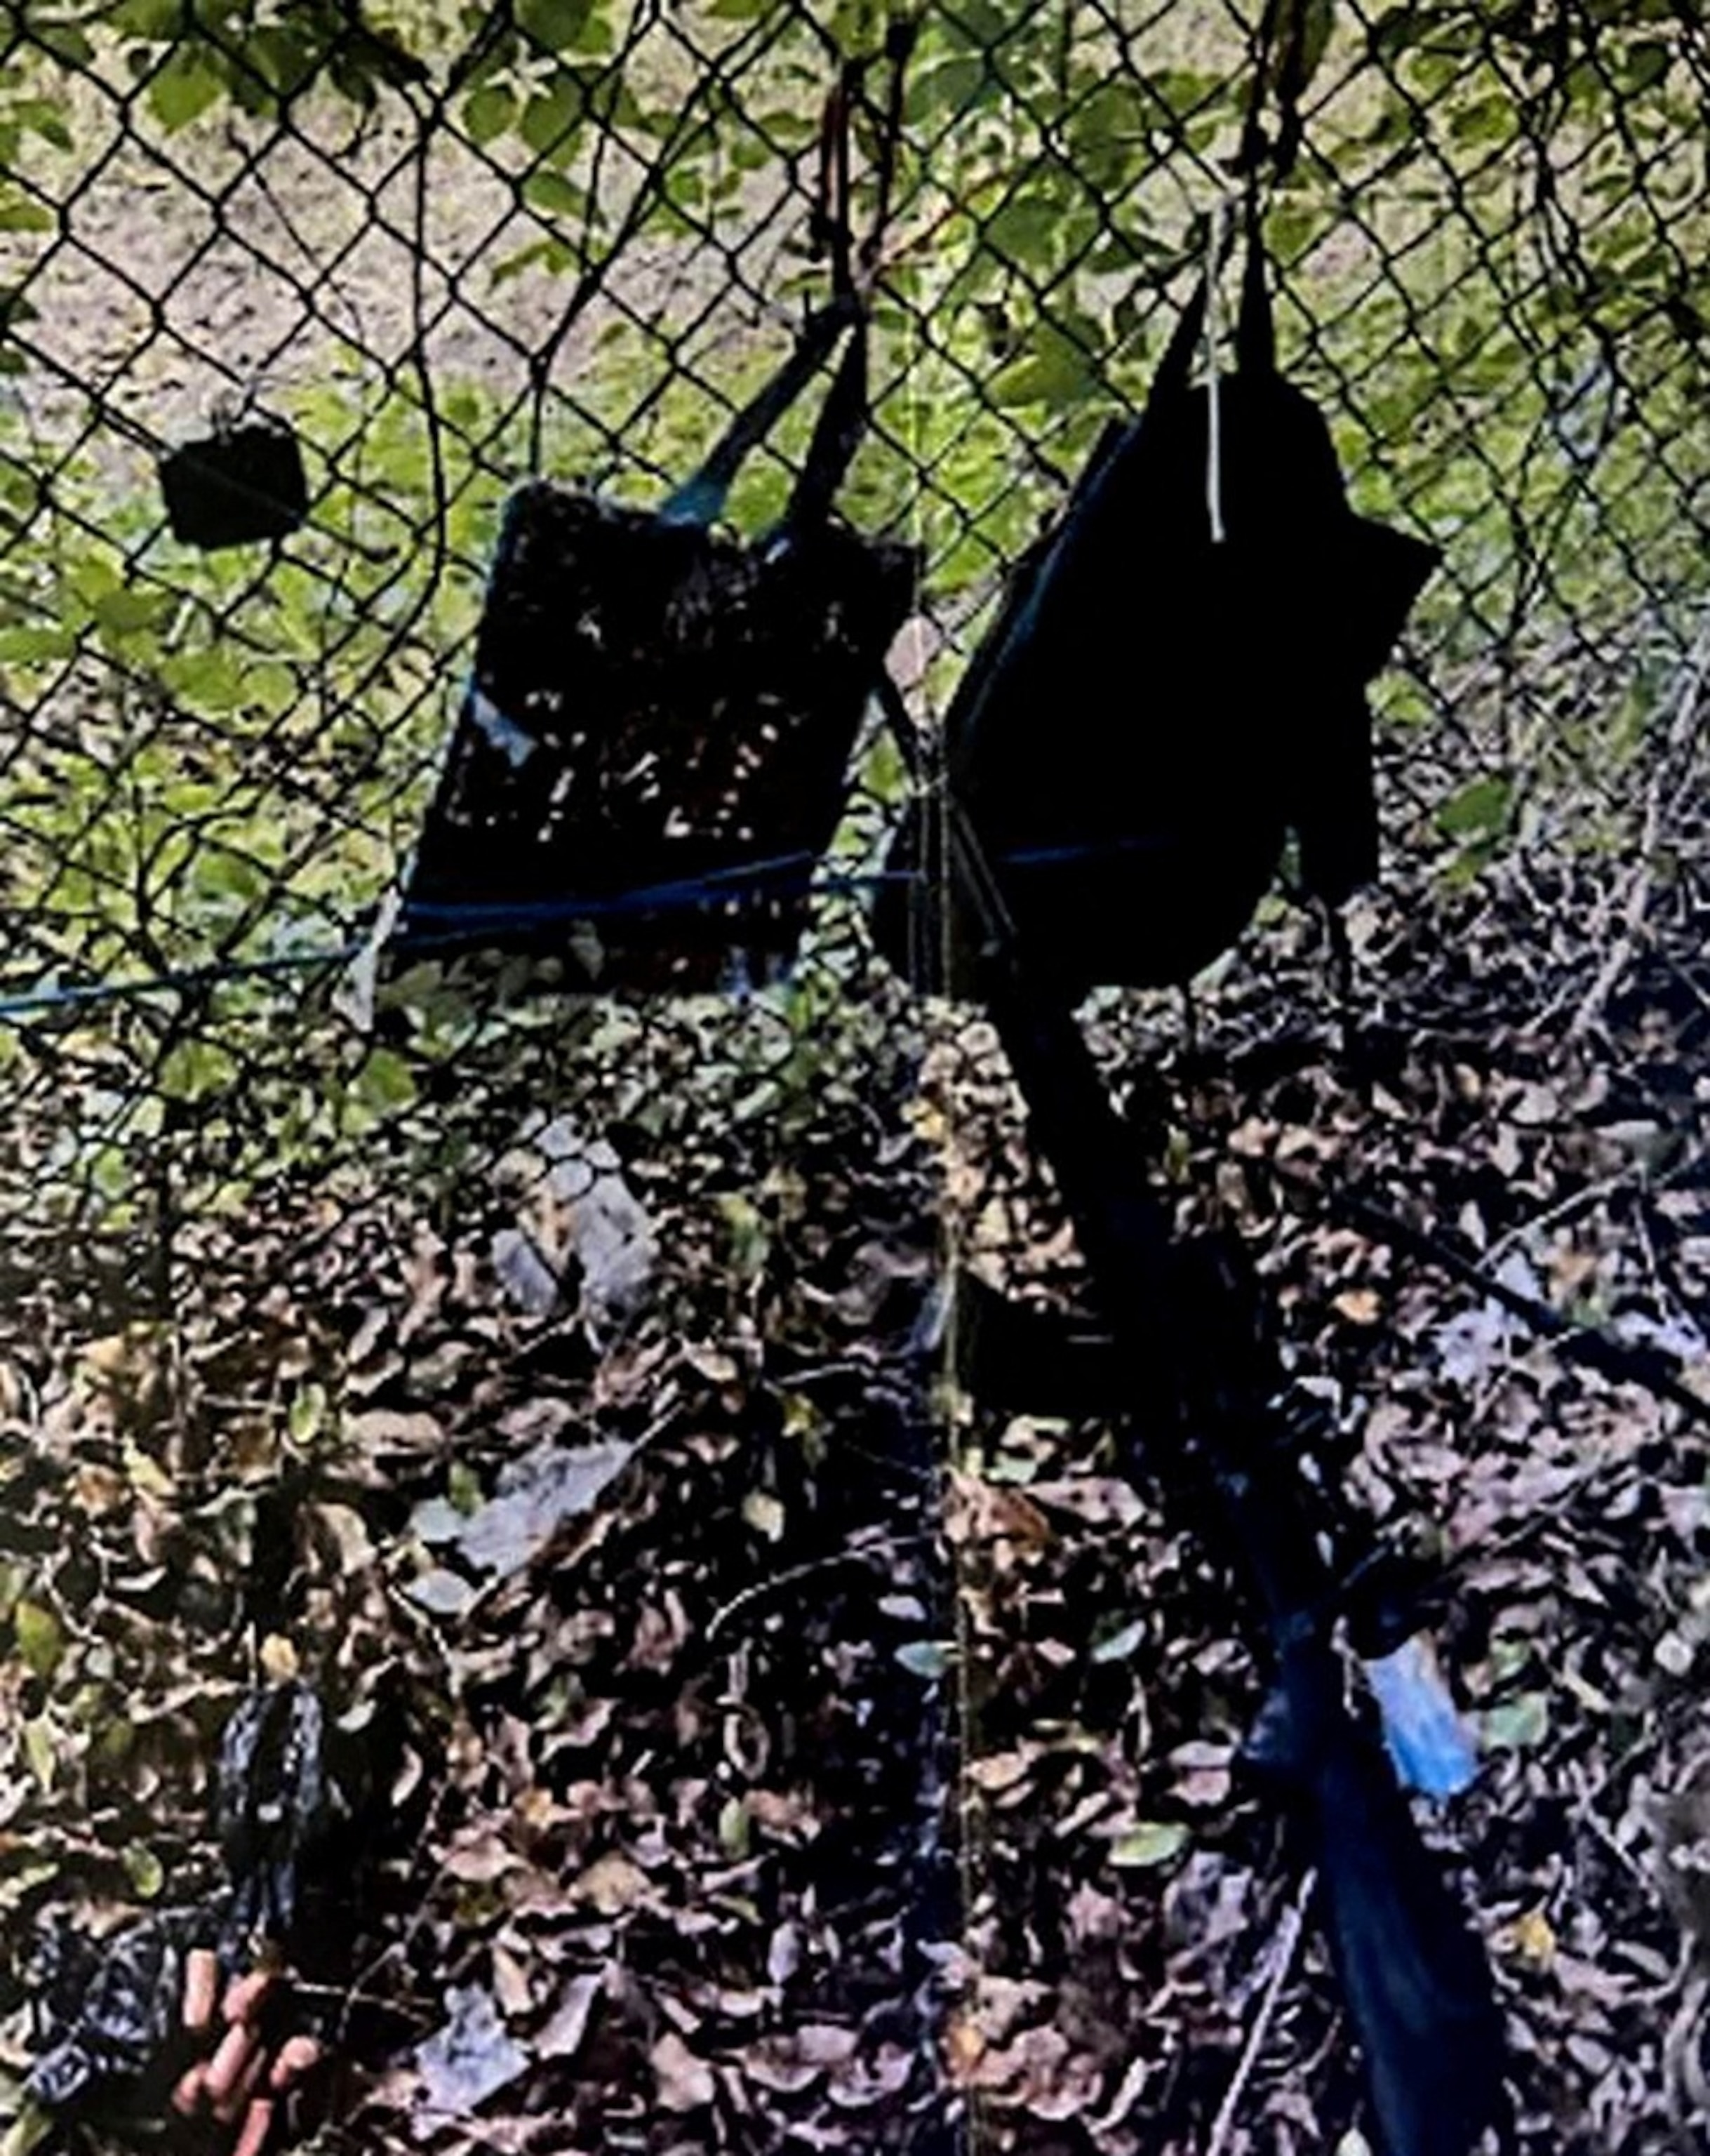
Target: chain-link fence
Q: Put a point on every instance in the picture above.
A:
(569, 242)
(269, 1228)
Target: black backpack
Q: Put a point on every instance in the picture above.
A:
(1156, 706)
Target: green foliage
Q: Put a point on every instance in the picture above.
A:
(40, 1637)
(1493, 235)
(194, 55)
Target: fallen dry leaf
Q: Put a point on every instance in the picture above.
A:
(684, 2081)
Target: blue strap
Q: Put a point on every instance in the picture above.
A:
(700, 500)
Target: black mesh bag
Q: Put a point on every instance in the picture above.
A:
(652, 753)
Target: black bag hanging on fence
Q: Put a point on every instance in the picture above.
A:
(1175, 679)
(652, 754)
(236, 485)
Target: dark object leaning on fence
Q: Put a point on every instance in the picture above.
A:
(1187, 1319)
(1188, 1328)
(652, 754)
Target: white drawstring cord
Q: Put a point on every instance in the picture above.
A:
(1214, 429)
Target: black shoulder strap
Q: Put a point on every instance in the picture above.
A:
(701, 499)
(837, 436)
(844, 420)
(1174, 374)
(1255, 330)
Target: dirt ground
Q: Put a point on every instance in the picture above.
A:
(792, 1752)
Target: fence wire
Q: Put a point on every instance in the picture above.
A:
(259, 1219)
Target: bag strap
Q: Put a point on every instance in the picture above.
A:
(1255, 327)
(837, 436)
(700, 499)
(842, 420)
(1254, 330)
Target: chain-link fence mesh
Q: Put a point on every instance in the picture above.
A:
(688, 1816)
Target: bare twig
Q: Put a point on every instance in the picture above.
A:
(1661, 795)
(1567, 1208)
(1284, 1949)
(1654, 1368)
(793, 1575)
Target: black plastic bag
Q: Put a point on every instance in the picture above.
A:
(237, 485)
(304, 1811)
(1176, 678)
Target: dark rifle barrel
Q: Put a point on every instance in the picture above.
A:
(1186, 1331)
(1415, 1980)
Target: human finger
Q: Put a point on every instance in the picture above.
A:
(237, 2047)
(188, 2089)
(296, 2055)
(244, 1995)
(201, 1977)
(227, 2107)
(258, 2124)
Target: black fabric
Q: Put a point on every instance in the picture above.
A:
(1415, 1980)
(236, 487)
(654, 707)
(652, 753)
(1153, 710)
(1195, 1341)
(300, 1810)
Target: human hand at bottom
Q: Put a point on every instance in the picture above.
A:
(243, 2074)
